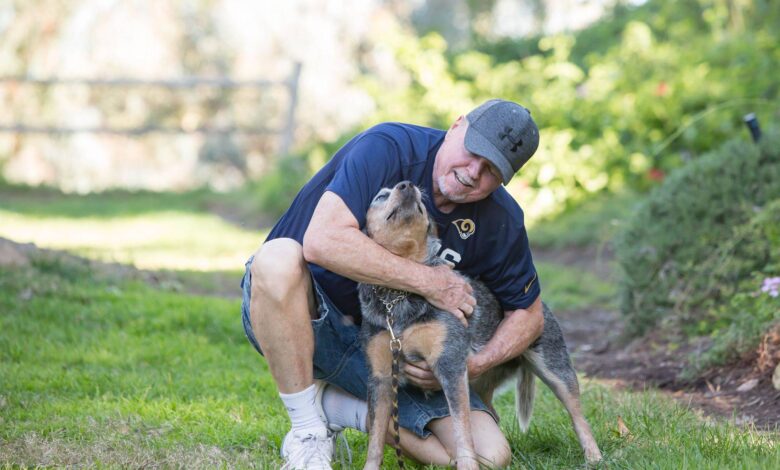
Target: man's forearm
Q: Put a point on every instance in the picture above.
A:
(349, 253)
(516, 332)
(334, 242)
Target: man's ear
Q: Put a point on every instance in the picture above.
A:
(458, 122)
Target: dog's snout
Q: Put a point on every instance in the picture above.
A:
(404, 186)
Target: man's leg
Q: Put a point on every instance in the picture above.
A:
(281, 309)
(428, 451)
(345, 410)
(489, 442)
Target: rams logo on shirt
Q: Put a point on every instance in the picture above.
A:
(465, 227)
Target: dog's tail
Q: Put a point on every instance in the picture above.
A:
(524, 396)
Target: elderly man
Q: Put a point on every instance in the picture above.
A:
(300, 305)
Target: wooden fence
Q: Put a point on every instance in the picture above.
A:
(286, 133)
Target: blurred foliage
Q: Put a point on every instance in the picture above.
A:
(619, 104)
(593, 222)
(569, 288)
(277, 188)
(742, 321)
(694, 241)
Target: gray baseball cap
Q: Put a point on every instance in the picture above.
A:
(504, 133)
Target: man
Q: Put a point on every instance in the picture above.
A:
(300, 301)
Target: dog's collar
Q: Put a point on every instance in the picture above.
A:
(389, 297)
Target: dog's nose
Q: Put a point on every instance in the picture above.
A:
(403, 186)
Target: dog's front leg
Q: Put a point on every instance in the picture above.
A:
(456, 390)
(379, 404)
(379, 397)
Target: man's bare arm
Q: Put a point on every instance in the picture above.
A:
(518, 330)
(334, 241)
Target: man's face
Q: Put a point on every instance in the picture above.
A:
(459, 175)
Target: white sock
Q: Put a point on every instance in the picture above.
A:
(344, 409)
(302, 410)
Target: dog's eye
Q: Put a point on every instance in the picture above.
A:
(381, 197)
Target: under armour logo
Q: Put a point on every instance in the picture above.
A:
(506, 135)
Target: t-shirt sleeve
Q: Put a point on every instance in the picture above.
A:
(513, 279)
(371, 164)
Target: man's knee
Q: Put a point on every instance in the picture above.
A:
(490, 443)
(495, 454)
(278, 269)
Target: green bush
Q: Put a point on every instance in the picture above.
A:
(593, 222)
(277, 189)
(631, 97)
(737, 325)
(699, 235)
(750, 314)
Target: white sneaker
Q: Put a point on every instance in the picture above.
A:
(321, 386)
(307, 450)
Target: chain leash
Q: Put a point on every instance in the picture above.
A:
(395, 349)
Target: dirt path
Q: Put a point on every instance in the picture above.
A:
(598, 348)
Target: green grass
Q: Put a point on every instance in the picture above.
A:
(101, 371)
(104, 369)
(149, 230)
(160, 240)
(570, 288)
(47, 202)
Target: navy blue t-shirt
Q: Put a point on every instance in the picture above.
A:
(485, 239)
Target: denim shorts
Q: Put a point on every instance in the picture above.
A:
(339, 360)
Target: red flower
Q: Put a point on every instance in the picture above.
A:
(662, 89)
(656, 174)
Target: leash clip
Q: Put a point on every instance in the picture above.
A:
(395, 349)
(395, 342)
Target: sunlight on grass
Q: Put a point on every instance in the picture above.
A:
(102, 372)
(161, 240)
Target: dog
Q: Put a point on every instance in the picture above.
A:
(398, 221)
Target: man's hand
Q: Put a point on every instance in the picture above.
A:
(448, 291)
(420, 374)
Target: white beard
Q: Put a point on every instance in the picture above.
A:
(457, 198)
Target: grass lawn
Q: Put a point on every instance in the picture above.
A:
(151, 231)
(108, 372)
(102, 370)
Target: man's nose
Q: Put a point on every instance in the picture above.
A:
(475, 169)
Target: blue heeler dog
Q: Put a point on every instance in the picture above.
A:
(398, 221)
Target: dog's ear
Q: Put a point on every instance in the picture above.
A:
(432, 230)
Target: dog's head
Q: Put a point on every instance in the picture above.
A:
(397, 220)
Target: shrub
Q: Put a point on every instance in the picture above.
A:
(699, 235)
(755, 306)
(277, 189)
(613, 114)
